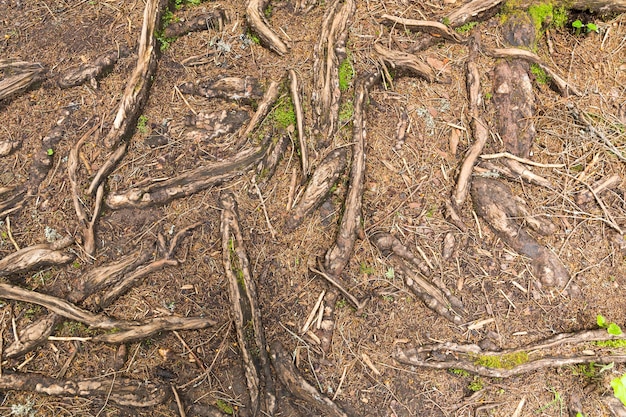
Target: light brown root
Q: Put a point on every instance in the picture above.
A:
(259, 25)
(436, 297)
(322, 181)
(186, 184)
(245, 89)
(514, 362)
(245, 310)
(563, 86)
(265, 105)
(206, 127)
(479, 128)
(426, 26)
(495, 203)
(329, 53)
(32, 336)
(42, 163)
(606, 183)
(36, 256)
(92, 71)
(204, 21)
(406, 62)
(135, 93)
(122, 391)
(298, 386)
(267, 167)
(472, 11)
(19, 76)
(514, 171)
(297, 105)
(143, 330)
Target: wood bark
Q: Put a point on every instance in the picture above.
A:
(299, 387)
(122, 391)
(92, 71)
(259, 25)
(265, 105)
(297, 106)
(245, 89)
(406, 62)
(213, 20)
(19, 76)
(426, 26)
(246, 312)
(36, 256)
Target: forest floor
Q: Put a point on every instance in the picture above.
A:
(407, 185)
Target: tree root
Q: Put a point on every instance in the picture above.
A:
(206, 127)
(473, 10)
(322, 181)
(92, 71)
(264, 106)
(297, 105)
(32, 336)
(494, 202)
(514, 171)
(329, 53)
(212, 20)
(406, 62)
(135, 94)
(123, 391)
(19, 76)
(259, 25)
(191, 182)
(426, 26)
(604, 184)
(436, 297)
(299, 387)
(245, 89)
(267, 167)
(245, 309)
(36, 256)
(512, 362)
(563, 86)
(39, 169)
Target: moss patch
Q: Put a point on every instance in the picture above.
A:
(346, 74)
(284, 114)
(506, 361)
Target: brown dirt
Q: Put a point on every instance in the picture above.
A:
(405, 195)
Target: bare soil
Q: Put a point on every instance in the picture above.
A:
(406, 189)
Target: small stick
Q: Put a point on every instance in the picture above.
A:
(185, 100)
(10, 234)
(355, 302)
(267, 217)
(312, 314)
(295, 97)
(518, 159)
(292, 188)
(181, 408)
(193, 354)
(343, 377)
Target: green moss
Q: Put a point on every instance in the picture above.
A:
(618, 343)
(346, 74)
(506, 361)
(446, 21)
(540, 74)
(225, 407)
(284, 114)
(254, 37)
(476, 385)
(466, 27)
(541, 14)
(346, 111)
(142, 124)
(459, 372)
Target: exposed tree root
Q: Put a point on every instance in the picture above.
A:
(436, 297)
(228, 88)
(265, 105)
(123, 391)
(426, 26)
(19, 76)
(36, 256)
(514, 171)
(406, 62)
(297, 105)
(135, 94)
(563, 86)
(32, 336)
(299, 387)
(604, 184)
(256, 19)
(267, 167)
(474, 10)
(188, 183)
(494, 202)
(329, 53)
(41, 165)
(597, 6)
(322, 181)
(245, 309)
(213, 20)
(512, 362)
(205, 127)
(92, 71)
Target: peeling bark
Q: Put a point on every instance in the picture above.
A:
(299, 387)
(33, 257)
(474, 10)
(19, 76)
(188, 183)
(406, 62)
(329, 53)
(205, 127)
(245, 309)
(259, 25)
(325, 176)
(228, 88)
(92, 71)
(122, 391)
(32, 336)
(494, 202)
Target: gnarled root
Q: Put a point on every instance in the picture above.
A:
(36, 256)
(258, 24)
(406, 62)
(92, 71)
(245, 309)
(19, 76)
(228, 88)
(212, 20)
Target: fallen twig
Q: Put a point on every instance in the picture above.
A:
(604, 184)
(245, 309)
(259, 25)
(295, 98)
(298, 386)
(264, 106)
(582, 117)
